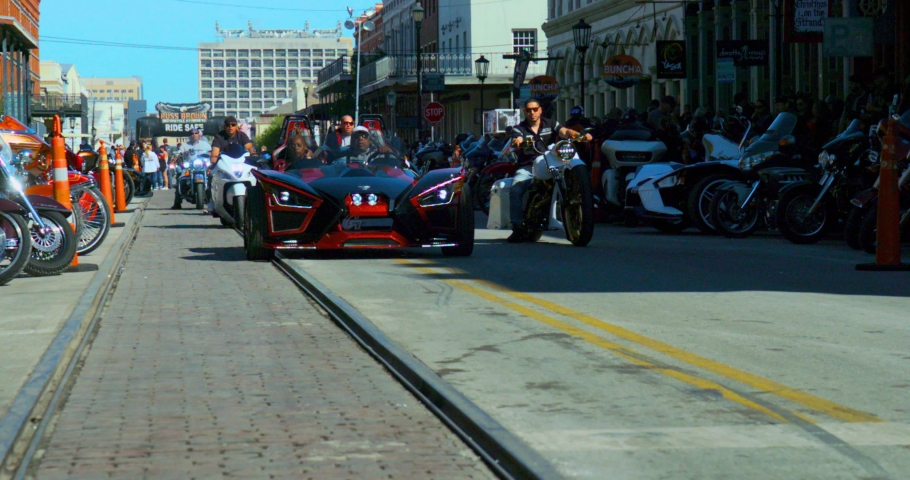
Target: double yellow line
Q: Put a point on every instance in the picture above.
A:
(813, 402)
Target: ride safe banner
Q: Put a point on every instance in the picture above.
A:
(804, 20)
(671, 59)
(179, 118)
(622, 71)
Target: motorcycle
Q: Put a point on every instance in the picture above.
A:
(432, 156)
(846, 166)
(193, 182)
(629, 147)
(673, 195)
(15, 244)
(476, 160)
(559, 198)
(52, 239)
(231, 178)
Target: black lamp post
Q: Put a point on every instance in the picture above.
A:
(72, 122)
(482, 69)
(417, 13)
(581, 32)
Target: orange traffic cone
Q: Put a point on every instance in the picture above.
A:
(61, 174)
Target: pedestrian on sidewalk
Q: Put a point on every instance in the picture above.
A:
(162, 162)
(151, 167)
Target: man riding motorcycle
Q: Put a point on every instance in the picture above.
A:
(543, 132)
(197, 145)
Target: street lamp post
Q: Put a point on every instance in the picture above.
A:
(390, 99)
(482, 67)
(72, 123)
(417, 13)
(581, 32)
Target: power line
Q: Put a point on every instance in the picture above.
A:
(258, 7)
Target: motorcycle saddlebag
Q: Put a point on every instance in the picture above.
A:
(499, 205)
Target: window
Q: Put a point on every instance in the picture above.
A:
(244, 104)
(219, 83)
(232, 73)
(257, 104)
(206, 84)
(256, 63)
(256, 73)
(218, 53)
(207, 63)
(244, 84)
(280, 73)
(281, 83)
(317, 52)
(230, 63)
(255, 53)
(292, 52)
(268, 53)
(231, 84)
(245, 114)
(341, 52)
(244, 94)
(317, 63)
(205, 53)
(268, 73)
(292, 62)
(243, 73)
(206, 94)
(524, 40)
(219, 94)
(304, 63)
(243, 63)
(219, 73)
(257, 93)
(304, 52)
(256, 84)
(219, 104)
(231, 104)
(230, 53)
(269, 94)
(219, 63)
(269, 84)
(268, 63)
(282, 94)
(243, 53)
(280, 53)
(457, 44)
(304, 74)
(281, 63)
(231, 94)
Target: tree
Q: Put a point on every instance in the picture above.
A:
(269, 135)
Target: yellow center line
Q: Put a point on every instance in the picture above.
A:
(814, 402)
(620, 350)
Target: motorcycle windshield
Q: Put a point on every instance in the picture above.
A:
(854, 130)
(782, 126)
(905, 119)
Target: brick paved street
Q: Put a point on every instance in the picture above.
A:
(206, 365)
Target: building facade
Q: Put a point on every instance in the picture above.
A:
(19, 58)
(248, 72)
(114, 89)
(627, 27)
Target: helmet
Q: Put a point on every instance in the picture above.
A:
(577, 110)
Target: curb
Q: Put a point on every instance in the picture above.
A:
(31, 402)
(502, 451)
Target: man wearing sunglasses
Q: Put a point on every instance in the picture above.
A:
(341, 137)
(229, 136)
(542, 132)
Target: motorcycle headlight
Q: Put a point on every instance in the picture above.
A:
(825, 158)
(197, 163)
(566, 152)
(186, 164)
(746, 163)
(441, 194)
(237, 171)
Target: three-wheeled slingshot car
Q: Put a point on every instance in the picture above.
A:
(372, 200)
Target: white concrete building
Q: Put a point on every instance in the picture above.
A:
(250, 71)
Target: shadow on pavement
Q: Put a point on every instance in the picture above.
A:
(187, 227)
(217, 254)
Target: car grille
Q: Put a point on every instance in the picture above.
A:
(633, 157)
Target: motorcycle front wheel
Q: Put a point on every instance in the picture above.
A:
(200, 196)
(729, 219)
(16, 248)
(239, 212)
(578, 206)
(53, 250)
(96, 219)
(793, 219)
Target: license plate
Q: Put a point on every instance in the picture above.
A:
(11, 243)
(365, 223)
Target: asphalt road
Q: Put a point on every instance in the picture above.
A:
(652, 356)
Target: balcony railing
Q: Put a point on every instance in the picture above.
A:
(333, 70)
(449, 64)
(56, 103)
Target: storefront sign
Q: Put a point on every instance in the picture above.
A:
(179, 118)
(804, 20)
(544, 87)
(726, 70)
(434, 82)
(745, 53)
(848, 37)
(622, 71)
(671, 59)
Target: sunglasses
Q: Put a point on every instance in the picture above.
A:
(347, 123)
(230, 124)
(360, 135)
(532, 109)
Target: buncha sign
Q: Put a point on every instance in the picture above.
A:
(622, 71)
(671, 59)
(744, 53)
(179, 118)
(544, 87)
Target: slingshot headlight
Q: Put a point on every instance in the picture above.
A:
(284, 197)
(356, 199)
(441, 194)
(372, 199)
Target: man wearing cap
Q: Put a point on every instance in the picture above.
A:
(231, 135)
(363, 147)
(577, 118)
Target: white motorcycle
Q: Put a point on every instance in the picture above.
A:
(628, 148)
(231, 178)
(559, 197)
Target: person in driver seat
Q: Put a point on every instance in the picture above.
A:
(363, 148)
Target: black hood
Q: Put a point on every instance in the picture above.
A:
(339, 182)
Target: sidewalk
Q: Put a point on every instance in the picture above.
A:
(33, 310)
(206, 365)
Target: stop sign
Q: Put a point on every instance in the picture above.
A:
(433, 112)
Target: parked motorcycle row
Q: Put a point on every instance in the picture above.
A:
(39, 235)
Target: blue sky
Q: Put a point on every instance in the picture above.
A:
(168, 75)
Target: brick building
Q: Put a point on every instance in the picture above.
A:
(19, 60)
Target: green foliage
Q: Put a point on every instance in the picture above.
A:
(269, 135)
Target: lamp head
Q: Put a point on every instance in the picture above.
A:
(581, 33)
(417, 12)
(482, 67)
